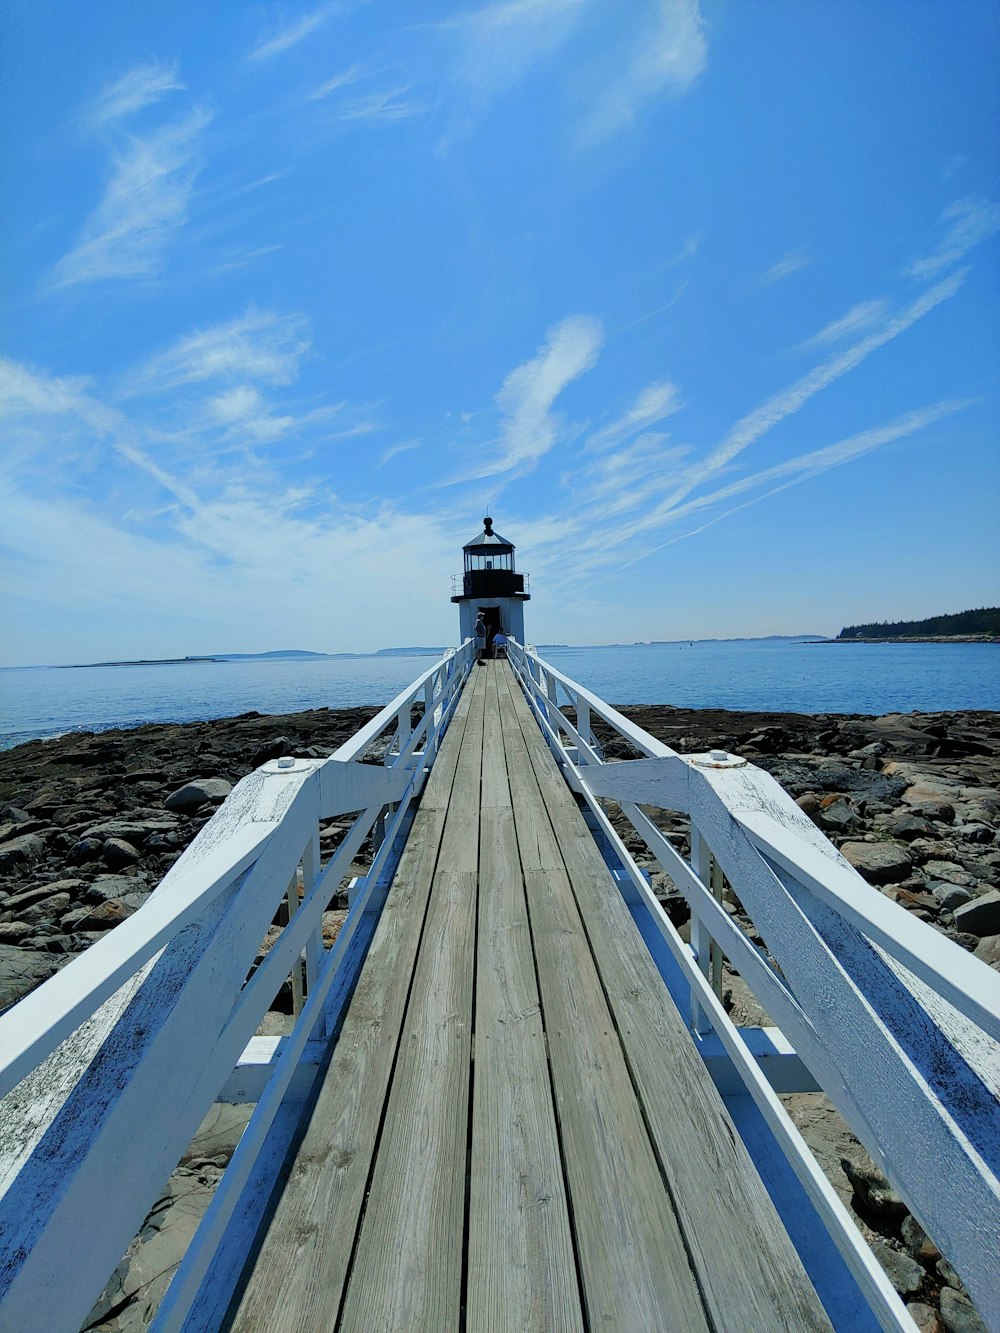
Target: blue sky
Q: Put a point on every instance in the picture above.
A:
(700, 302)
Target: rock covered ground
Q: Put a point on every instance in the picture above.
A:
(89, 824)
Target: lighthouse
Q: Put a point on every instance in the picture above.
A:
(490, 587)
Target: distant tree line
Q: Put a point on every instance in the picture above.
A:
(984, 620)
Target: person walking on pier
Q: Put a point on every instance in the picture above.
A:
(480, 632)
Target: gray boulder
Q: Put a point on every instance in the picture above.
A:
(902, 1269)
(878, 862)
(917, 1241)
(925, 1317)
(99, 916)
(40, 892)
(948, 870)
(959, 1314)
(85, 849)
(910, 827)
(19, 851)
(188, 798)
(988, 950)
(49, 909)
(837, 818)
(978, 833)
(118, 854)
(981, 916)
(21, 970)
(939, 809)
(135, 831)
(950, 896)
(106, 887)
(15, 932)
(872, 1190)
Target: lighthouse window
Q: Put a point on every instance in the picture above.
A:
(494, 561)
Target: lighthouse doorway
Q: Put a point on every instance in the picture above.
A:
(491, 618)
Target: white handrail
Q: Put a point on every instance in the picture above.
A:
(904, 1040)
(109, 1066)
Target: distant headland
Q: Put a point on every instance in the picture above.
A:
(979, 626)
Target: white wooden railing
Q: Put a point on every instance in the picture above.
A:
(107, 1070)
(897, 1024)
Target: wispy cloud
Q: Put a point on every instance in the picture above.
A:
(342, 80)
(140, 87)
(792, 262)
(622, 480)
(381, 106)
(673, 492)
(501, 41)
(764, 418)
(241, 258)
(802, 468)
(860, 317)
(528, 428)
(968, 222)
(247, 418)
(655, 402)
(144, 205)
(215, 529)
(666, 56)
(235, 404)
(259, 346)
(291, 35)
(22, 390)
(395, 450)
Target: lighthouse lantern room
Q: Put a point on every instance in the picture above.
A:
(491, 587)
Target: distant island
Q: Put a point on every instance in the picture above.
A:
(279, 654)
(756, 638)
(982, 624)
(411, 652)
(199, 660)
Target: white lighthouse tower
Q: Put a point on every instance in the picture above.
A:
(490, 587)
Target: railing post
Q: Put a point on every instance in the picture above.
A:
(716, 947)
(701, 942)
(583, 725)
(314, 944)
(429, 716)
(404, 725)
(297, 977)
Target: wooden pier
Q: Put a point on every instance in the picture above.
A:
(510, 1097)
(514, 1130)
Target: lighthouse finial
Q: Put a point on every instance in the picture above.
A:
(488, 525)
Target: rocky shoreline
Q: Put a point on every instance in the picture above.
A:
(90, 822)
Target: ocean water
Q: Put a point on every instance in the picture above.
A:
(768, 675)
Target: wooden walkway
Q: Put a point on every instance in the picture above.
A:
(515, 1131)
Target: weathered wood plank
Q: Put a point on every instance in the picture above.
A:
(307, 1250)
(749, 1273)
(407, 1269)
(521, 1267)
(635, 1269)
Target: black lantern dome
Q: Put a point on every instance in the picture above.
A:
(489, 567)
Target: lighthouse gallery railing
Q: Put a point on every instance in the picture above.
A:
(109, 1067)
